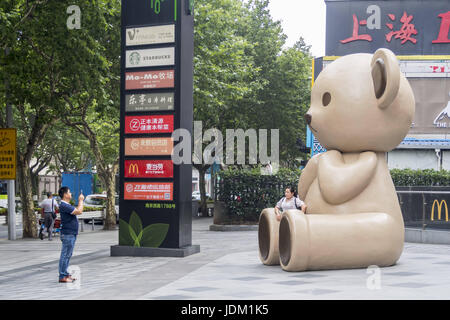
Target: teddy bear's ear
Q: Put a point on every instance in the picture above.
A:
(386, 76)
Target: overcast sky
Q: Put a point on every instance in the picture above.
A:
(304, 18)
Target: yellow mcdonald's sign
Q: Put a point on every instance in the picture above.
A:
(134, 168)
(439, 207)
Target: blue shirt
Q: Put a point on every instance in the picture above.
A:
(69, 222)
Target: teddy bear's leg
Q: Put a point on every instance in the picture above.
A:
(268, 237)
(339, 241)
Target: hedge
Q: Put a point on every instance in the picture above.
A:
(246, 192)
(413, 178)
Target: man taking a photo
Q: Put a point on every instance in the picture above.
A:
(69, 231)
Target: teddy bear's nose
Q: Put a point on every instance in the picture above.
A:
(308, 118)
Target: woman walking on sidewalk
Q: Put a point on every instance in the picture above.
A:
(69, 231)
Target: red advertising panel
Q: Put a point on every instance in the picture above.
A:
(148, 169)
(148, 124)
(148, 191)
(149, 79)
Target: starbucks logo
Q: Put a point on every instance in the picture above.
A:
(135, 58)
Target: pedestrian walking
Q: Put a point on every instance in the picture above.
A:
(49, 207)
(69, 231)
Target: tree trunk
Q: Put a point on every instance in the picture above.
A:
(110, 219)
(202, 171)
(35, 183)
(26, 196)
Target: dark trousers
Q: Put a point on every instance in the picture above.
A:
(48, 222)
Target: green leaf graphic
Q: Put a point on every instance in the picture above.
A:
(134, 237)
(125, 238)
(154, 235)
(136, 225)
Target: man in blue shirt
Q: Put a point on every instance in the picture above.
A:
(69, 230)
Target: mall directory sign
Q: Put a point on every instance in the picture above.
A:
(156, 99)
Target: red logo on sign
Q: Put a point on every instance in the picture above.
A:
(149, 79)
(356, 36)
(444, 29)
(148, 169)
(406, 31)
(149, 124)
(134, 125)
(148, 191)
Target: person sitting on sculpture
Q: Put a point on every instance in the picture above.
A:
(289, 201)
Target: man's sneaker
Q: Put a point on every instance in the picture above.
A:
(41, 235)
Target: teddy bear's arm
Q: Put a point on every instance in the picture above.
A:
(339, 181)
(309, 173)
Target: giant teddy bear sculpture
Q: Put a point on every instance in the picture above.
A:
(361, 108)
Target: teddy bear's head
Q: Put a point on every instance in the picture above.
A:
(361, 102)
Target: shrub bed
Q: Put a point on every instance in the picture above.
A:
(246, 192)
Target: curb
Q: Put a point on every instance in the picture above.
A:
(230, 227)
(416, 235)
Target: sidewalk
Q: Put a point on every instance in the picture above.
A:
(226, 268)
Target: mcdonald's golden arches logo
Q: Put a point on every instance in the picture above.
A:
(133, 169)
(439, 206)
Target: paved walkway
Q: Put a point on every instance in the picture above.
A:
(226, 268)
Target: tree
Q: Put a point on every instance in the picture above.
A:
(281, 101)
(76, 158)
(13, 14)
(223, 71)
(102, 132)
(96, 115)
(48, 63)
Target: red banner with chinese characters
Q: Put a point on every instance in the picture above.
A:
(149, 79)
(148, 169)
(413, 27)
(149, 124)
(148, 191)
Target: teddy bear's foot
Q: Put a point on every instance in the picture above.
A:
(339, 241)
(268, 237)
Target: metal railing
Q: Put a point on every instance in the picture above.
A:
(425, 203)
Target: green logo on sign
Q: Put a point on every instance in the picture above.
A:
(135, 58)
(156, 5)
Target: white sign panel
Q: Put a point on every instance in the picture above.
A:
(421, 69)
(150, 57)
(150, 35)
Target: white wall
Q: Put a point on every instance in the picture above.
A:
(446, 159)
(413, 159)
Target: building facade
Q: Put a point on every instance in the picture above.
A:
(418, 32)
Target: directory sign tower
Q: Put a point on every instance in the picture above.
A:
(156, 99)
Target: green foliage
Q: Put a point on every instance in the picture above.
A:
(132, 234)
(427, 177)
(246, 192)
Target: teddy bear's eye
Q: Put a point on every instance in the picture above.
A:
(326, 99)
